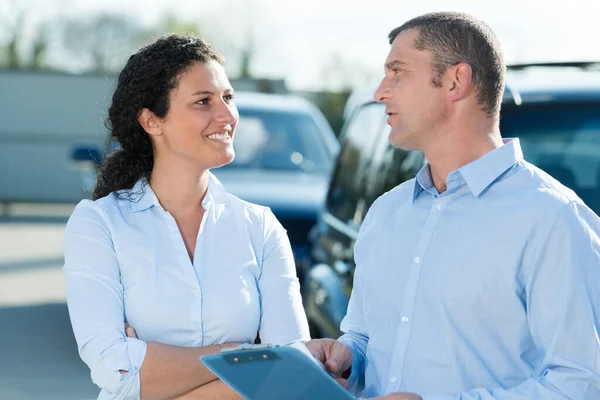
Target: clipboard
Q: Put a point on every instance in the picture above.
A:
(266, 372)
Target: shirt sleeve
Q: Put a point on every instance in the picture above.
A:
(355, 336)
(282, 319)
(563, 304)
(95, 302)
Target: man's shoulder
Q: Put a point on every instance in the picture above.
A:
(401, 194)
(397, 197)
(542, 188)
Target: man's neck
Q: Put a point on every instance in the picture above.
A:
(455, 149)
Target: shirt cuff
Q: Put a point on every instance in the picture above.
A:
(354, 380)
(108, 376)
(137, 352)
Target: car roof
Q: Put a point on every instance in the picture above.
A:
(286, 103)
(272, 102)
(553, 82)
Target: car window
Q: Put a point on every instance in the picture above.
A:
(389, 167)
(361, 134)
(563, 140)
(279, 140)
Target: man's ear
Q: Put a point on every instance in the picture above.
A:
(461, 81)
(150, 122)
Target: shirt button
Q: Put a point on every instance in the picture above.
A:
(417, 260)
(393, 379)
(196, 291)
(405, 319)
(439, 206)
(197, 335)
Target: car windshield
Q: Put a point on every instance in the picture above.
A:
(277, 140)
(563, 140)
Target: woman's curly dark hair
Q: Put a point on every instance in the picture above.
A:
(145, 82)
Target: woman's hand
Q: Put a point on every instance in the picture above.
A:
(130, 332)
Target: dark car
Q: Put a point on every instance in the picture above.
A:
(554, 109)
(285, 150)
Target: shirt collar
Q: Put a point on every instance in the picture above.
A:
(423, 181)
(142, 196)
(478, 174)
(216, 192)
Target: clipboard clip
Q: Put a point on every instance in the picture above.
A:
(297, 345)
(248, 346)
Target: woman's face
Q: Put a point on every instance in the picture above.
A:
(200, 125)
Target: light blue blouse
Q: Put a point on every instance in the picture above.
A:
(125, 260)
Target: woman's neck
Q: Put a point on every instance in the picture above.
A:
(179, 188)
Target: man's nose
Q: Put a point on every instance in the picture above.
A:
(382, 94)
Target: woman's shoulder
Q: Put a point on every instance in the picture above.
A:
(101, 210)
(247, 207)
(87, 212)
(219, 193)
(139, 196)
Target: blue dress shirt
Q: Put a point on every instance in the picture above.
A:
(125, 260)
(490, 290)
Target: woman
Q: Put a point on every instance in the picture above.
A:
(164, 248)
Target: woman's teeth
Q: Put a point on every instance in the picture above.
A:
(219, 136)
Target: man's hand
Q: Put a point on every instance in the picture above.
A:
(336, 356)
(398, 396)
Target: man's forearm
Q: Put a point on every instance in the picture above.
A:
(170, 371)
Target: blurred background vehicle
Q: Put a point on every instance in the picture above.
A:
(553, 108)
(285, 151)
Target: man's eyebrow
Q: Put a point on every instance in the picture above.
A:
(394, 64)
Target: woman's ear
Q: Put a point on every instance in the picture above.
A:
(150, 122)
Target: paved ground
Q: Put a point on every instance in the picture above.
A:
(38, 355)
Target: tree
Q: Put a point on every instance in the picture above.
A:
(14, 31)
(39, 48)
(341, 75)
(19, 51)
(101, 42)
(241, 49)
(173, 24)
(246, 55)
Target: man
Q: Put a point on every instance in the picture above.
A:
(479, 279)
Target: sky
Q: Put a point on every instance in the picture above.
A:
(317, 44)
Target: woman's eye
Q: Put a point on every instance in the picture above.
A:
(203, 101)
(228, 97)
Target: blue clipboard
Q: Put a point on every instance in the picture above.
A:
(274, 373)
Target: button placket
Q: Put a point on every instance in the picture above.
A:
(410, 293)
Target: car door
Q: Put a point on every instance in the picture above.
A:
(329, 281)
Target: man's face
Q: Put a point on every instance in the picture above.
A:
(414, 104)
